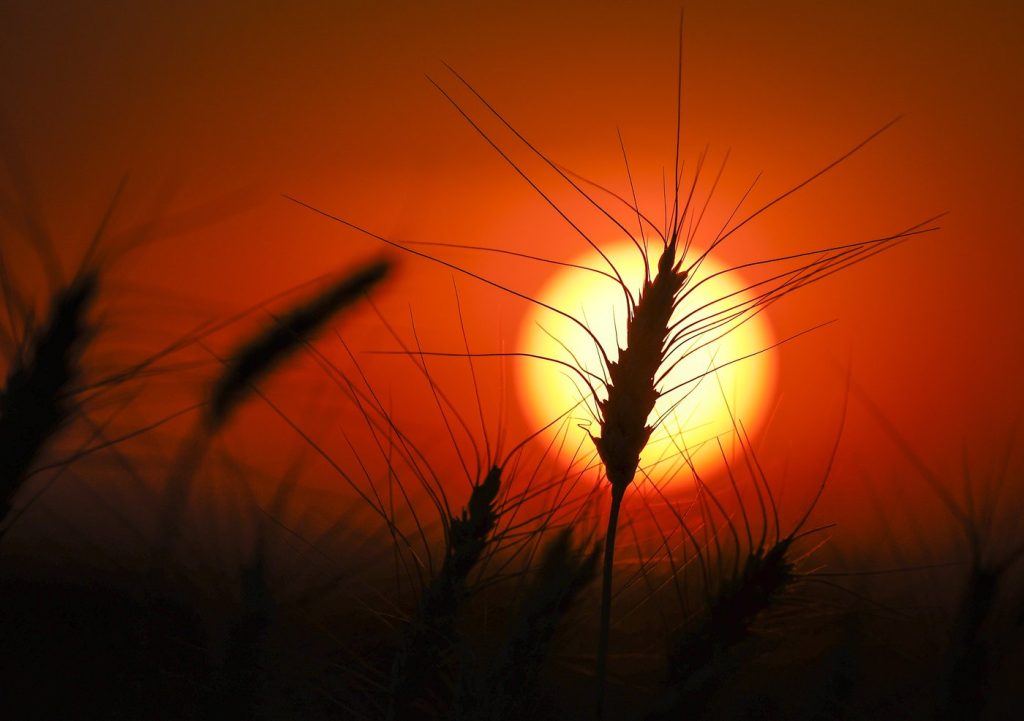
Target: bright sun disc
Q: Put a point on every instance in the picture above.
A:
(693, 415)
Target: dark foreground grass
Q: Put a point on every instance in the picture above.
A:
(758, 639)
(504, 685)
(499, 629)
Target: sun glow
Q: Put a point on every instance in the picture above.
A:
(721, 374)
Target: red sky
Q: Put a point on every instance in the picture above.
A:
(330, 103)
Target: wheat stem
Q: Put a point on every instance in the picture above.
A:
(606, 597)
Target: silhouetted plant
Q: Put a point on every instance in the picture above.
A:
(250, 361)
(258, 355)
(431, 631)
(501, 688)
(37, 398)
(705, 652)
(632, 378)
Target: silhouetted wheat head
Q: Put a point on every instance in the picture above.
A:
(431, 632)
(257, 356)
(245, 366)
(37, 398)
(743, 582)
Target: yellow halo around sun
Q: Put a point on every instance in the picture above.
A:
(712, 386)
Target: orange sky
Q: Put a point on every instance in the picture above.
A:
(329, 102)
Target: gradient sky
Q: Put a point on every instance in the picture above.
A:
(330, 102)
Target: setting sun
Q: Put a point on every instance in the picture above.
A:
(719, 371)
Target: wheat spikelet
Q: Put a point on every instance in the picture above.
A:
(704, 654)
(258, 356)
(36, 399)
(432, 630)
(631, 388)
(252, 360)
